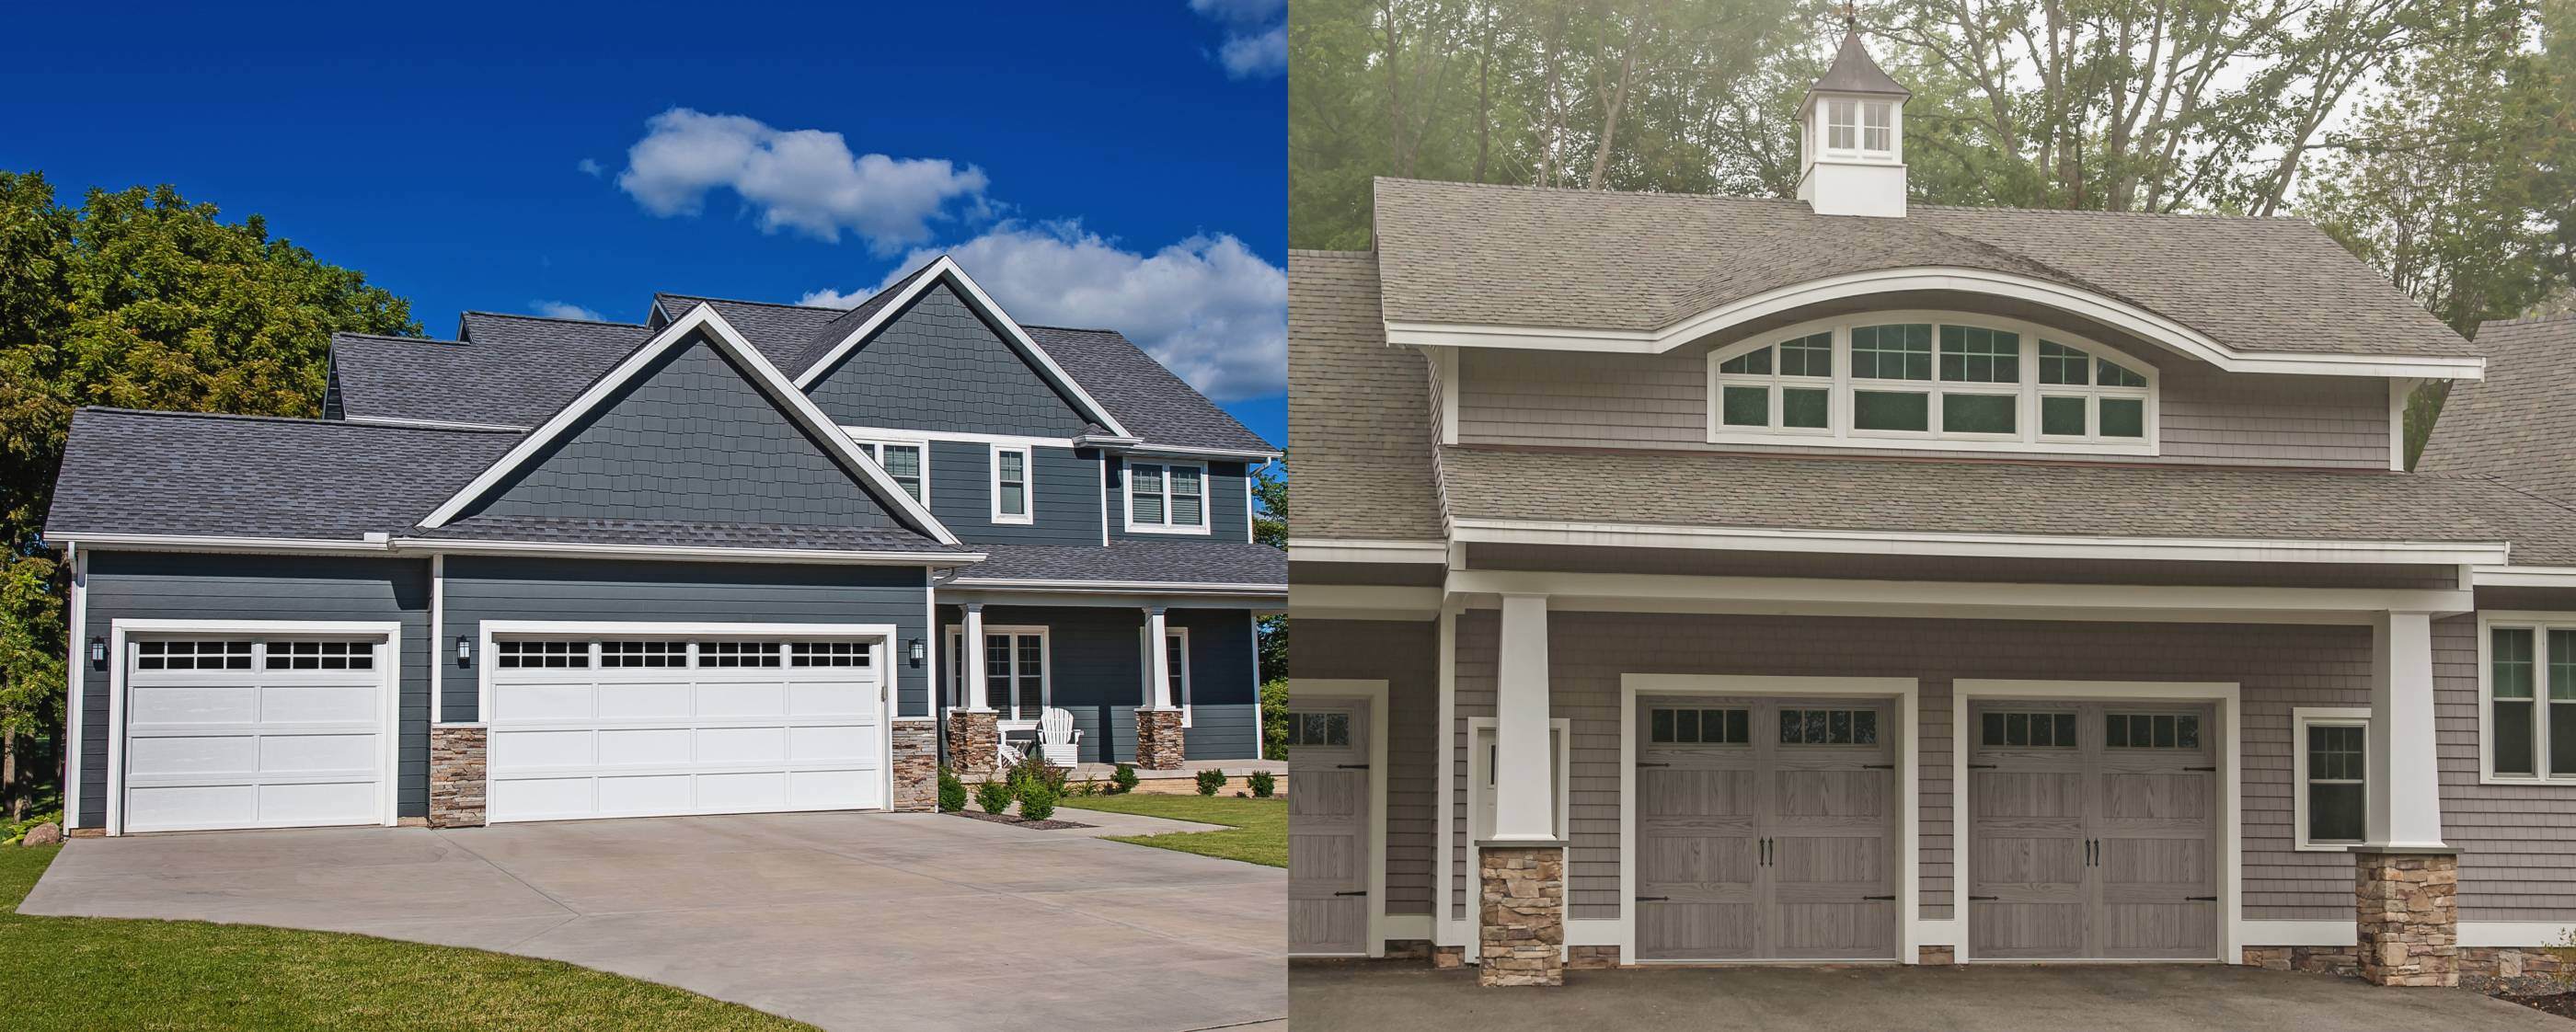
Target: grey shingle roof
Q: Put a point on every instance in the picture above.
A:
(1165, 562)
(1854, 71)
(511, 370)
(683, 533)
(2516, 425)
(1525, 256)
(783, 333)
(1359, 411)
(128, 472)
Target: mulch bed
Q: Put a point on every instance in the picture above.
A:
(1004, 818)
(2561, 1004)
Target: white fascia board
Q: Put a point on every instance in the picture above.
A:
(430, 424)
(1123, 587)
(1356, 550)
(2502, 576)
(1189, 452)
(896, 434)
(454, 546)
(1675, 593)
(945, 268)
(2011, 546)
(2083, 303)
(1363, 602)
(216, 543)
(763, 374)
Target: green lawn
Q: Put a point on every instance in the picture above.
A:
(100, 973)
(1257, 829)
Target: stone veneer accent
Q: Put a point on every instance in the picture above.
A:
(2408, 916)
(1521, 918)
(1591, 958)
(974, 741)
(1447, 957)
(2324, 960)
(1936, 955)
(2514, 969)
(1158, 739)
(916, 765)
(456, 782)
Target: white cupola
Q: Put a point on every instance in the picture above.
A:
(1852, 138)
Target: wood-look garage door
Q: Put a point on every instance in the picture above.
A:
(630, 727)
(1766, 829)
(2093, 831)
(1328, 827)
(254, 732)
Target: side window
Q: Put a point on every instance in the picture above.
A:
(2333, 761)
(1011, 484)
(906, 463)
(1167, 497)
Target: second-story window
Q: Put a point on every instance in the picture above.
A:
(1011, 484)
(907, 463)
(1167, 497)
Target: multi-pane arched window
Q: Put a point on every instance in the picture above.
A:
(1931, 380)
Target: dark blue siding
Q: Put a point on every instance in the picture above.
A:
(939, 366)
(1229, 510)
(1096, 672)
(166, 586)
(1223, 694)
(1066, 489)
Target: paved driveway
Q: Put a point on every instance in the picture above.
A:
(844, 920)
(2095, 998)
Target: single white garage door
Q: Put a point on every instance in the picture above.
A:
(249, 732)
(628, 727)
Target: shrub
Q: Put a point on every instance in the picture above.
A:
(1210, 781)
(1033, 770)
(2564, 951)
(952, 792)
(1037, 801)
(1123, 780)
(1089, 787)
(1274, 719)
(1262, 783)
(994, 796)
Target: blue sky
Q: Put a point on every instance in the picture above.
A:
(1092, 164)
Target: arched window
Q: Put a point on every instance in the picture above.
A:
(1931, 380)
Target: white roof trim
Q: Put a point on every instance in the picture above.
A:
(1355, 550)
(1132, 587)
(215, 543)
(1189, 452)
(763, 374)
(2085, 303)
(2016, 546)
(454, 546)
(946, 269)
(430, 424)
(2501, 576)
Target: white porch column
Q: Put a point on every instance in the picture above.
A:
(2405, 782)
(1158, 664)
(970, 659)
(1524, 807)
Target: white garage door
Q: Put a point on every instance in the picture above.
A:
(633, 727)
(242, 732)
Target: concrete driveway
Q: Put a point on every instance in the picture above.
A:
(843, 920)
(2096, 998)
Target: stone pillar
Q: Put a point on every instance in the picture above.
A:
(456, 782)
(974, 741)
(1521, 914)
(916, 765)
(2407, 915)
(1158, 739)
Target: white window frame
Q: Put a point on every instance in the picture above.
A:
(2302, 718)
(1827, 120)
(1840, 432)
(872, 447)
(1127, 495)
(2539, 624)
(1180, 671)
(1046, 671)
(1028, 484)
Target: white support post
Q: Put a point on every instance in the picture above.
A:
(2405, 809)
(1524, 807)
(970, 658)
(1158, 664)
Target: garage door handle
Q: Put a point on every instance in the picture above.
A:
(1983, 899)
(2212, 770)
(1888, 898)
(1361, 892)
(1654, 765)
(2200, 899)
(1981, 766)
(1878, 766)
(1351, 766)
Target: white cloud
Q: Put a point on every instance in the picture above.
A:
(588, 167)
(1207, 307)
(564, 310)
(830, 298)
(1256, 35)
(805, 180)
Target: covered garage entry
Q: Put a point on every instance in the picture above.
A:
(246, 724)
(1767, 829)
(646, 721)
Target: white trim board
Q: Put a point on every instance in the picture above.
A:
(1306, 690)
(2009, 546)
(1904, 690)
(77, 677)
(1362, 602)
(2231, 775)
(2071, 300)
(1670, 593)
(1356, 550)
(462, 546)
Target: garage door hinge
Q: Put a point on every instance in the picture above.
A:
(2212, 770)
(1361, 892)
(2200, 899)
(1879, 897)
(1351, 766)
(1878, 766)
(1654, 765)
(1983, 899)
(1654, 899)
(1981, 766)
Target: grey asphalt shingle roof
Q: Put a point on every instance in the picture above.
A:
(510, 370)
(2515, 426)
(1160, 562)
(1469, 254)
(1359, 411)
(684, 534)
(1854, 71)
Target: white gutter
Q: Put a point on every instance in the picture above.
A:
(448, 546)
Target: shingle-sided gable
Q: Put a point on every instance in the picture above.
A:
(689, 438)
(938, 365)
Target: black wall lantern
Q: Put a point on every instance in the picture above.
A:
(919, 652)
(464, 651)
(97, 653)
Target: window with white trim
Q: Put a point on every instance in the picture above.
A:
(643, 653)
(1016, 685)
(192, 655)
(907, 463)
(2527, 699)
(2330, 759)
(1011, 477)
(1931, 380)
(1167, 497)
(1176, 661)
(320, 655)
(1860, 126)
(529, 654)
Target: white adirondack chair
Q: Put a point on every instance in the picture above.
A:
(1058, 739)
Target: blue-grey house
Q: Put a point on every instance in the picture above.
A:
(737, 558)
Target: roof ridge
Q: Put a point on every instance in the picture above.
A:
(1072, 329)
(243, 417)
(1790, 201)
(550, 318)
(337, 334)
(743, 301)
(2526, 320)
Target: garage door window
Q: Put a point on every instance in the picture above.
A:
(516, 655)
(738, 653)
(643, 653)
(2027, 730)
(1828, 727)
(830, 653)
(321, 655)
(1700, 726)
(2151, 731)
(192, 655)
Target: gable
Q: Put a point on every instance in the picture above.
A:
(938, 365)
(691, 438)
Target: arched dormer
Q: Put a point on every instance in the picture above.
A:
(1945, 380)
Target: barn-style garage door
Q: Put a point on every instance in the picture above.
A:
(1766, 829)
(638, 727)
(2093, 831)
(254, 732)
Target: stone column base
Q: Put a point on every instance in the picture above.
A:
(456, 782)
(916, 765)
(2408, 916)
(2329, 960)
(1446, 957)
(1158, 739)
(974, 741)
(1936, 956)
(1591, 958)
(1521, 915)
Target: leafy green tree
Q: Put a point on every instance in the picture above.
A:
(136, 298)
(1270, 527)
